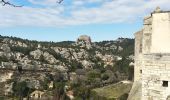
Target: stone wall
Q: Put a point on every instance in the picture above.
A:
(138, 55)
(160, 33)
(152, 57)
(156, 77)
(147, 34)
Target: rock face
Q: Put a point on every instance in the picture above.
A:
(50, 58)
(5, 48)
(5, 76)
(84, 38)
(87, 64)
(84, 41)
(42, 62)
(152, 57)
(36, 54)
(13, 42)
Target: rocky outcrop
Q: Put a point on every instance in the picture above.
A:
(14, 43)
(84, 38)
(36, 54)
(84, 41)
(5, 48)
(5, 76)
(87, 64)
(61, 68)
(46, 60)
(8, 88)
(50, 58)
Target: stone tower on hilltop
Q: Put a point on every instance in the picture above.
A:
(84, 41)
(152, 58)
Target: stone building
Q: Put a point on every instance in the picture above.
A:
(84, 41)
(36, 95)
(152, 58)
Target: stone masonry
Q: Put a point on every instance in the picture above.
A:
(152, 58)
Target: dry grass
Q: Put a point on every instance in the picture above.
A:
(112, 92)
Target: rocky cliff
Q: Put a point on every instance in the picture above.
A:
(39, 63)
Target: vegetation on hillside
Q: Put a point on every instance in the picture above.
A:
(99, 74)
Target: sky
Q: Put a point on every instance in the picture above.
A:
(45, 20)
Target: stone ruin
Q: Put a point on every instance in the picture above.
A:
(84, 41)
(152, 58)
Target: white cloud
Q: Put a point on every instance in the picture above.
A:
(29, 16)
(82, 2)
(43, 2)
(113, 11)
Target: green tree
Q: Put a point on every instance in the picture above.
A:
(20, 89)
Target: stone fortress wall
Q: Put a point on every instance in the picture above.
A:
(156, 77)
(152, 58)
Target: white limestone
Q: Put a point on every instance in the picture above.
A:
(6, 76)
(160, 27)
(152, 58)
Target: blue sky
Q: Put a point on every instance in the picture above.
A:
(45, 20)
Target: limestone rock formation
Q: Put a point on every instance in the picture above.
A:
(61, 68)
(13, 42)
(50, 58)
(44, 61)
(65, 53)
(87, 64)
(84, 41)
(8, 88)
(84, 38)
(36, 54)
(5, 48)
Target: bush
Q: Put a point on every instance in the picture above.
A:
(24, 50)
(93, 74)
(105, 76)
(20, 89)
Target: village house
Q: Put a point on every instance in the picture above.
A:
(36, 95)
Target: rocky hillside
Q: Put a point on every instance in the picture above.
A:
(80, 65)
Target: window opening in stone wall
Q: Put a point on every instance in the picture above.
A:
(165, 84)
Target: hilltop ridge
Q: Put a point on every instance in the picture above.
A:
(86, 65)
